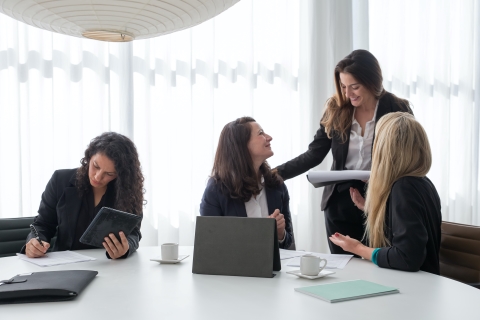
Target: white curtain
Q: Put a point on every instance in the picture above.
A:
(270, 59)
(429, 54)
(172, 95)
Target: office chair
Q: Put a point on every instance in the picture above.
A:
(13, 233)
(460, 253)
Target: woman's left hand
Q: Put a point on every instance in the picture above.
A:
(345, 242)
(352, 245)
(115, 248)
(357, 199)
(277, 215)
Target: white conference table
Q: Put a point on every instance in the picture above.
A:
(137, 288)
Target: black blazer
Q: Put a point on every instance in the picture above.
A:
(413, 221)
(216, 203)
(321, 145)
(60, 207)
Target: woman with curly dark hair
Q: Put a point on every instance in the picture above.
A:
(242, 183)
(109, 176)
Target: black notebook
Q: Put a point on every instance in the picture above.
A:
(108, 221)
(45, 286)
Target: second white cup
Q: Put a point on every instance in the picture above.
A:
(310, 265)
(170, 251)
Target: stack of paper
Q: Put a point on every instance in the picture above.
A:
(334, 261)
(56, 258)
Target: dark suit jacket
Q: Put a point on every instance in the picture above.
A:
(216, 203)
(321, 145)
(413, 221)
(60, 207)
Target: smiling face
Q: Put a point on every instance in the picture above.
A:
(101, 170)
(358, 94)
(259, 145)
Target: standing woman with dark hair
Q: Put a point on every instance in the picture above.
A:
(347, 129)
(109, 176)
(242, 183)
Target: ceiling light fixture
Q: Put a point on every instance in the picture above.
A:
(114, 20)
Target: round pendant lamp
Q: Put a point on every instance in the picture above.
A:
(114, 20)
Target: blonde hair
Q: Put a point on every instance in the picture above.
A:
(401, 149)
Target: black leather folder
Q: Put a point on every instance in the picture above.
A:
(108, 221)
(236, 246)
(45, 286)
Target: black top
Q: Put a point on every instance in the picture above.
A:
(321, 145)
(216, 203)
(88, 211)
(59, 211)
(413, 226)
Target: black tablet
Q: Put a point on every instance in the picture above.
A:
(108, 221)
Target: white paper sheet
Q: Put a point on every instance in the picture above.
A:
(288, 254)
(324, 178)
(56, 258)
(334, 261)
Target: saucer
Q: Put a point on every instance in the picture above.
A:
(180, 258)
(322, 274)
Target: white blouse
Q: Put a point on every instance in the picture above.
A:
(359, 155)
(257, 207)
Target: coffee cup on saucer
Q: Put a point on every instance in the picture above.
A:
(311, 265)
(170, 251)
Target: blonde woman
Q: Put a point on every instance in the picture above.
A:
(402, 206)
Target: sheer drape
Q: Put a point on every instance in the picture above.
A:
(172, 95)
(429, 54)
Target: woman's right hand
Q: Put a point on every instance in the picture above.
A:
(357, 199)
(35, 250)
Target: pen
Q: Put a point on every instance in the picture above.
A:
(32, 227)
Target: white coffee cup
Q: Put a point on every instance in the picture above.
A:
(170, 251)
(310, 265)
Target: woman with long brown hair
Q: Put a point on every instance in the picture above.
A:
(242, 183)
(402, 207)
(347, 129)
(109, 176)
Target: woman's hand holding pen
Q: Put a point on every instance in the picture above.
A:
(35, 249)
(116, 249)
(280, 223)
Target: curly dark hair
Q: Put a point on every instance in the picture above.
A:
(128, 186)
(233, 166)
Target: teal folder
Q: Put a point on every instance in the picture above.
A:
(348, 290)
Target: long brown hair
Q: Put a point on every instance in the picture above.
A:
(233, 166)
(364, 67)
(401, 149)
(128, 185)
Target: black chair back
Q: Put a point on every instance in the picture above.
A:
(13, 233)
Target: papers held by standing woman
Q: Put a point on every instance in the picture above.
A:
(324, 178)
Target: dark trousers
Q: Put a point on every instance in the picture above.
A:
(342, 216)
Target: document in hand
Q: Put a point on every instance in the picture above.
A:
(324, 178)
(45, 286)
(347, 290)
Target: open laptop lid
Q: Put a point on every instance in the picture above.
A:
(236, 246)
